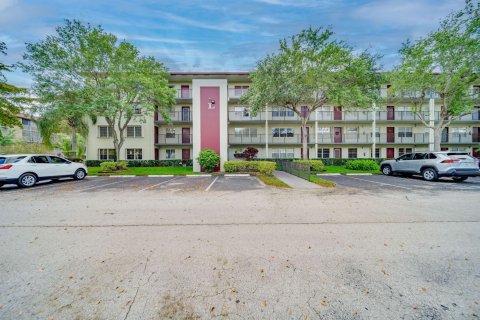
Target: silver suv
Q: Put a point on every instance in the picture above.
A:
(432, 165)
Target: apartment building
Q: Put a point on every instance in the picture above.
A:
(209, 113)
(28, 132)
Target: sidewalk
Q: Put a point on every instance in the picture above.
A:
(294, 181)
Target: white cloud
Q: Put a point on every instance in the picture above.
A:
(229, 26)
(153, 39)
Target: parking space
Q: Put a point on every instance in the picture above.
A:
(142, 184)
(381, 182)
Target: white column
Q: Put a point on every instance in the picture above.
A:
(266, 130)
(431, 123)
(316, 134)
(374, 129)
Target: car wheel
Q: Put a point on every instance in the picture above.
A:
(429, 174)
(1, 185)
(27, 180)
(79, 174)
(387, 170)
(459, 179)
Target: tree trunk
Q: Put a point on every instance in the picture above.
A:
(437, 138)
(304, 137)
(74, 139)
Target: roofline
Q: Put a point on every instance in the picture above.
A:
(206, 73)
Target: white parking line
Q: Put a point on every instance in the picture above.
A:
(198, 175)
(237, 175)
(99, 186)
(156, 185)
(381, 183)
(211, 184)
(160, 175)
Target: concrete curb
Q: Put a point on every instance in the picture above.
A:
(160, 175)
(327, 174)
(359, 174)
(92, 176)
(236, 175)
(198, 175)
(123, 176)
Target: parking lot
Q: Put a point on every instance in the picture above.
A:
(144, 184)
(400, 183)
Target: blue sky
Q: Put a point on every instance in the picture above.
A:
(223, 35)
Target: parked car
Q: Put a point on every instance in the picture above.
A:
(26, 170)
(432, 165)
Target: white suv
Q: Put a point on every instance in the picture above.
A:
(26, 170)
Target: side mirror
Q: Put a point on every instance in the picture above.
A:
(396, 159)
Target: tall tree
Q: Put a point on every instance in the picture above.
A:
(11, 97)
(119, 81)
(55, 64)
(444, 64)
(312, 70)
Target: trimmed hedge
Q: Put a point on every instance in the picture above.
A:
(110, 166)
(265, 167)
(315, 165)
(361, 164)
(145, 163)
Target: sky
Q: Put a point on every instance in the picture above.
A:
(222, 35)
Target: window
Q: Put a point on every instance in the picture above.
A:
(402, 151)
(282, 112)
(170, 153)
(352, 153)
(352, 130)
(432, 156)
(405, 132)
(282, 132)
(134, 154)
(377, 133)
(323, 131)
(12, 159)
(170, 133)
(407, 156)
(246, 132)
(137, 110)
(25, 122)
(57, 160)
(106, 154)
(419, 156)
(282, 153)
(377, 153)
(323, 153)
(104, 132)
(40, 159)
(134, 131)
(240, 90)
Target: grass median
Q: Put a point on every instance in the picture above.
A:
(322, 182)
(272, 181)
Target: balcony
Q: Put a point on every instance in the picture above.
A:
(400, 116)
(262, 116)
(343, 116)
(184, 94)
(175, 139)
(262, 139)
(176, 116)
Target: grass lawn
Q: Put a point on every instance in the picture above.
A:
(342, 169)
(322, 182)
(144, 171)
(272, 181)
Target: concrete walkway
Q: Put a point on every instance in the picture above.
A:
(294, 181)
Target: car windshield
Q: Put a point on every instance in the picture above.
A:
(12, 159)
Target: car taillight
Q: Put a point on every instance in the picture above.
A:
(450, 161)
(6, 166)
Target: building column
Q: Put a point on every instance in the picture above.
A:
(431, 123)
(374, 129)
(266, 130)
(316, 134)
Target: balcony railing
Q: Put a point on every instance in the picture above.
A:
(262, 139)
(184, 94)
(456, 138)
(175, 139)
(177, 116)
(415, 138)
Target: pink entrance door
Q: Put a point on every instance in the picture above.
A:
(390, 153)
(390, 134)
(390, 113)
(337, 135)
(185, 135)
(185, 92)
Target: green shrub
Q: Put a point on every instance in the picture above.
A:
(208, 159)
(264, 167)
(370, 165)
(315, 165)
(110, 166)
